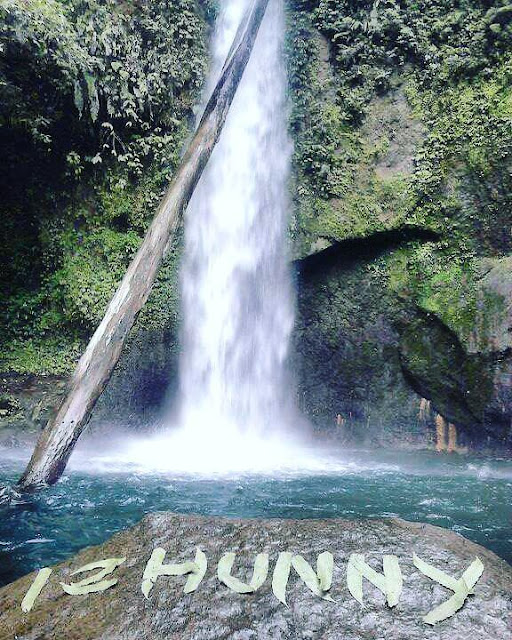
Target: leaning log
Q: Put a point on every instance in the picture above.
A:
(95, 367)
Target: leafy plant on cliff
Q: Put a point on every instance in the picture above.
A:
(96, 99)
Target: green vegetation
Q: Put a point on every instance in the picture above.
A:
(96, 100)
(403, 115)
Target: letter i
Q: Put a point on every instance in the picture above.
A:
(37, 586)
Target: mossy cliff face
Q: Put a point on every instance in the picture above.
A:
(403, 121)
(97, 99)
(401, 115)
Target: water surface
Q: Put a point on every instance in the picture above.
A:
(472, 496)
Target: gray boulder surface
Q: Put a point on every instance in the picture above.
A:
(214, 611)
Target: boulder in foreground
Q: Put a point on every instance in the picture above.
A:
(214, 611)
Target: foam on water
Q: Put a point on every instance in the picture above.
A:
(183, 453)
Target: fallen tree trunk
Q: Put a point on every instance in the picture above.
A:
(97, 363)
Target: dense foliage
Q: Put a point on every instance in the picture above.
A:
(96, 98)
(403, 115)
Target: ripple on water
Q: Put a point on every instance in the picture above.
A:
(86, 508)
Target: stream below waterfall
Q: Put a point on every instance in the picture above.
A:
(470, 495)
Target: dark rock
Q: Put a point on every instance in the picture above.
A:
(466, 369)
(145, 378)
(347, 344)
(26, 403)
(439, 369)
(214, 611)
(390, 118)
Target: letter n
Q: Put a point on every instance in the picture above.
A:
(390, 584)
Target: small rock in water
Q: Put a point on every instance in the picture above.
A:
(9, 495)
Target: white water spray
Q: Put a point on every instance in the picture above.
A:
(236, 288)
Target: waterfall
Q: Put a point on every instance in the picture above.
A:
(237, 296)
(236, 407)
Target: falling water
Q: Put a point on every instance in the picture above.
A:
(236, 287)
(236, 406)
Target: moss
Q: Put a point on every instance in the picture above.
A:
(456, 79)
(438, 367)
(452, 295)
(10, 408)
(45, 355)
(413, 105)
(161, 311)
(85, 175)
(92, 267)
